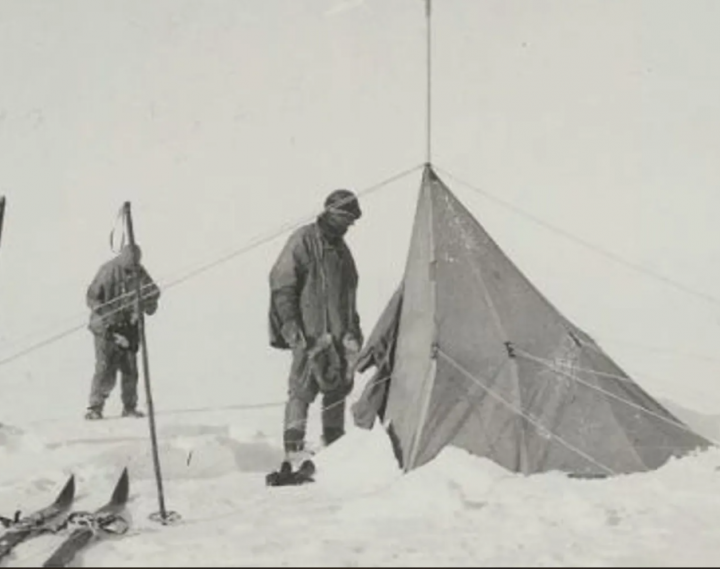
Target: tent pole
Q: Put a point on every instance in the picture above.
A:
(428, 16)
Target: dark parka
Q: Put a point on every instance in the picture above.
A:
(111, 298)
(314, 284)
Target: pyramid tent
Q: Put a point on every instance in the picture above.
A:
(470, 354)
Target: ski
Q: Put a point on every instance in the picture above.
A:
(21, 529)
(86, 527)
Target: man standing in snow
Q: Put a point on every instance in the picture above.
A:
(114, 324)
(313, 287)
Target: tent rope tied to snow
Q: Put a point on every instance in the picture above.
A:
(542, 430)
(574, 377)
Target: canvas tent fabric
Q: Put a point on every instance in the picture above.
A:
(478, 358)
(379, 353)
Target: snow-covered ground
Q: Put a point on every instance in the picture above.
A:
(225, 121)
(458, 510)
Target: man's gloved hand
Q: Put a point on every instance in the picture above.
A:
(351, 344)
(293, 335)
(121, 341)
(352, 347)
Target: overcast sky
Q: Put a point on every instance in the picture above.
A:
(224, 120)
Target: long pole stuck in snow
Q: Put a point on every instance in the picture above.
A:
(2, 215)
(146, 364)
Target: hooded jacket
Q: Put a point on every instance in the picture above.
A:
(111, 297)
(314, 284)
